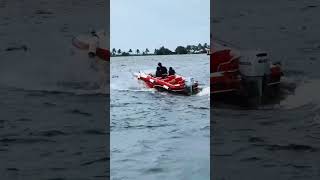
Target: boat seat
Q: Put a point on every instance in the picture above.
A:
(178, 79)
(169, 78)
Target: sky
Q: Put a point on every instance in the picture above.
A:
(141, 24)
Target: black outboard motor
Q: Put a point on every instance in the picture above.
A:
(195, 87)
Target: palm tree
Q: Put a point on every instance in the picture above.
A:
(119, 51)
(147, 51)
(138, 51)
(194, 48)
(200, 47)
(130, 50)
(188, 48)
(114, 51)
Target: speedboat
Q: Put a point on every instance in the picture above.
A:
(248, 74)
(83, 42)
(173, 83)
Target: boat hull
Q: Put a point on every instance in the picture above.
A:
(173, 84)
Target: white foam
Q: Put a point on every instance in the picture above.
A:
(306, 93)
(204, 92)
(46, 64)
(131, 83)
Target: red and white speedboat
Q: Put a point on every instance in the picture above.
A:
(245, 73)
(173, 83)
(83, 42)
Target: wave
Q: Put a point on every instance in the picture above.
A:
(204, 92)
(136, 90)
(78, 92)
(44, 67)
(127, 81)
(306, 93)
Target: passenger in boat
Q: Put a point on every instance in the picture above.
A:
(93, 44)
(171, 71)
(158, 72)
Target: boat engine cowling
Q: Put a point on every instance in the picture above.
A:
(254, 64)
(189, 82)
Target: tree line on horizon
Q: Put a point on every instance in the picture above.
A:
(189, 49)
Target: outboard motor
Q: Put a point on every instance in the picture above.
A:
(189, 82)
(254, 67)
(93, 44)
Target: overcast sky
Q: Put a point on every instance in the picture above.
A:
(153, 23)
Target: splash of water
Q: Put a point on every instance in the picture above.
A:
(306, 93)
(44, 66)
(204, 92)
(131, 83)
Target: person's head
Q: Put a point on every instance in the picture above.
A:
(159, 64)
(170, 68)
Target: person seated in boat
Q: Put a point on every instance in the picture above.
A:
(171, 71)
(163, 70)
(158, 72)
(93, 44)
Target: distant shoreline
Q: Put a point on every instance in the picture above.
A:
(154, 54)
(179, 50)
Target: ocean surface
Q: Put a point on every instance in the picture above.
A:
(157, 135)
(52, 135)
(281, 140)
(53, 117)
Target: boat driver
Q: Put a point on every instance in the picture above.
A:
(158, 72)
(163, 70)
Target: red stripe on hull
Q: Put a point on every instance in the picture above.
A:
(172, 83)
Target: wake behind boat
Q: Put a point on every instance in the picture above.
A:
(173, 83)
